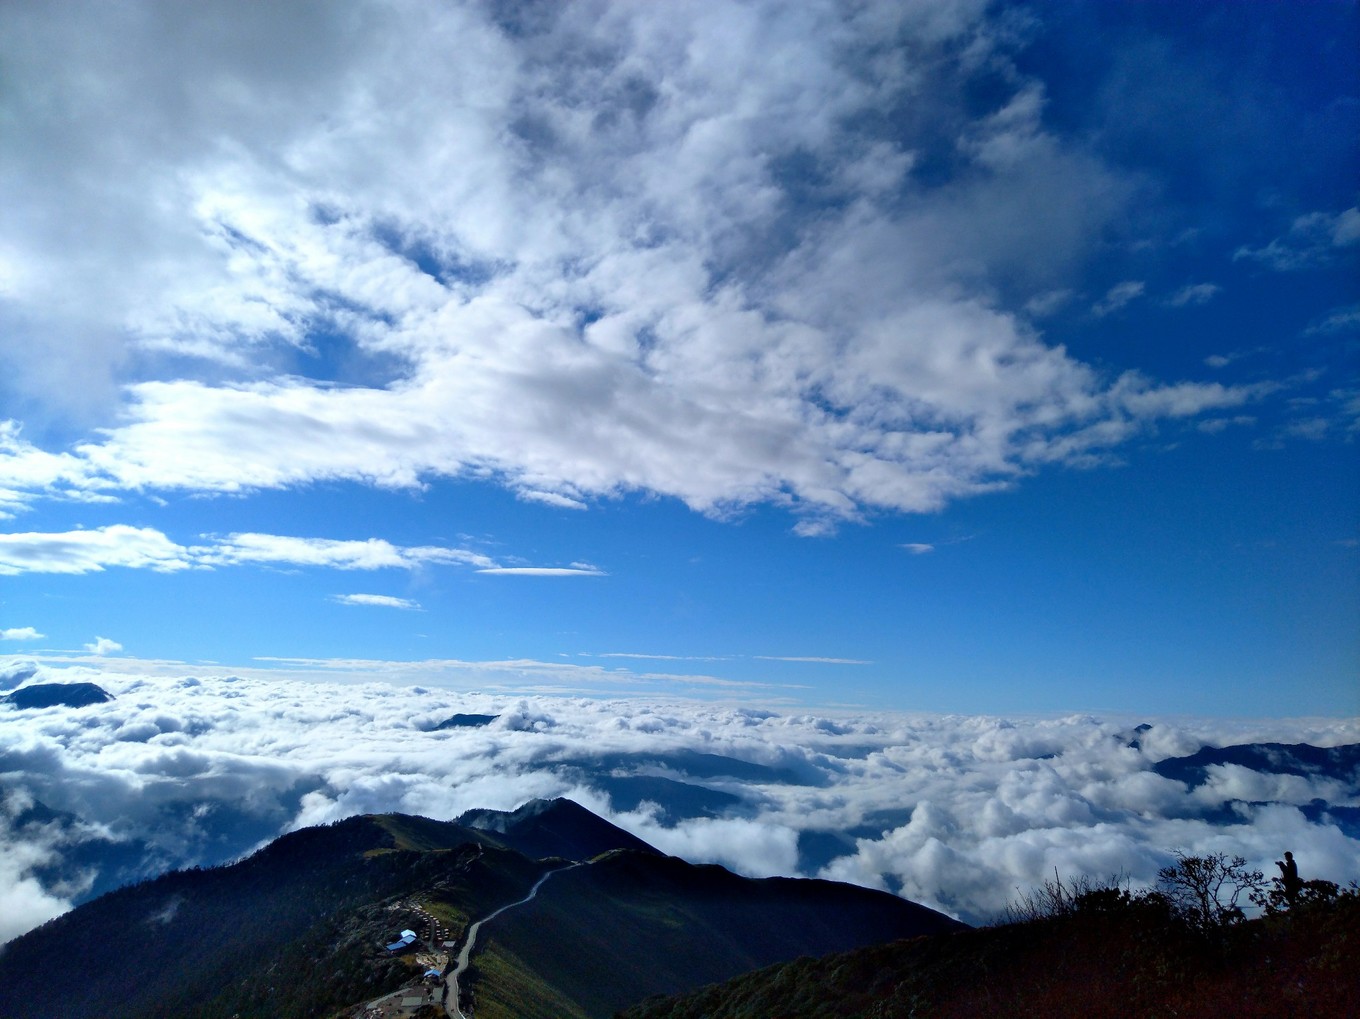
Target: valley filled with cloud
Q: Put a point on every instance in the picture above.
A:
(962, 813)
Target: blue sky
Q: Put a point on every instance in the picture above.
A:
(952, 356)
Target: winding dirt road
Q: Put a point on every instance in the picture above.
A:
(451, 1001)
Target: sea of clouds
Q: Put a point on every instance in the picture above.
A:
(962, 813)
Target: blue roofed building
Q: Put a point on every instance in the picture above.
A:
(405, 941)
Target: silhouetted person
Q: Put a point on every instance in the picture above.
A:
(1289, 877)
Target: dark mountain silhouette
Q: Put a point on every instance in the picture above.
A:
(49, 695)
(675, 801)
(1134, 738)
(1341, 763)
(299, 928)
(462, 721)
(694, 765)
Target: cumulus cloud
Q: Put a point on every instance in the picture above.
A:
(575, 260)
(103, 646)
(381, 600)
(21, 633)
(958, 812)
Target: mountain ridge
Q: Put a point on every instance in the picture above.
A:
(320, 904)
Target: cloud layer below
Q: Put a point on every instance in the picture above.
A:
(959, 812)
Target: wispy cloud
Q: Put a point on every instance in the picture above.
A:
(117, 545)
(918, 548)
(660, 658)
(812, 659)
(1194, 294)
(1118, 296)
(1311, 239)
(370, 554)
(1339, 320)
(544, 571)
(379, 600)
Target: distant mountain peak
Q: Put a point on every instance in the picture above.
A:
(557, 827)
(465, 721)
(50, 695)
(1341, 763)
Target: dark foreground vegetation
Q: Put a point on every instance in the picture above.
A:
(1184, 949)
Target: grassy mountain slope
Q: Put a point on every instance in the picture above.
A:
(631, 925)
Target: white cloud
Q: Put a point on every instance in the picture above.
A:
(575, 275)
(1337, 321)
(1310, 241)
(812, 659)
(1213, 426)
(918, 548)
(91, 551)
(959, 812)
(1118, 296)
(544, 571)
(1186, 400)
(750, 847)
(380, 600)
(369, 554)
(1194, 294)
(553, 499)
(103, 646)
(21, 633)
(27, 903)
(667, 658)
(1047, 303)
(27, 471)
